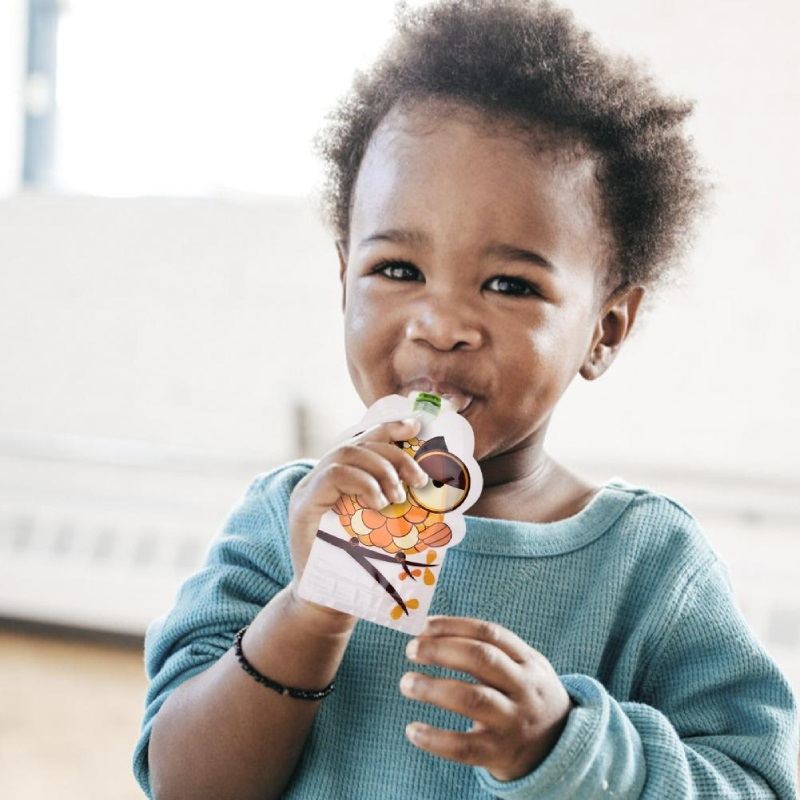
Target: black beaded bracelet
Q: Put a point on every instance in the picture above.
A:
(300, 694)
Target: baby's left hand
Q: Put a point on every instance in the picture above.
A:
(518, 712)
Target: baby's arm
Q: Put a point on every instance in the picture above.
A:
(716, 719)
(210, 730)
(221, 734)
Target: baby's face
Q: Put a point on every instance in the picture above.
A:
(454, 305)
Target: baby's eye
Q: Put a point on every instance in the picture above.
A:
(383, 266)
(523, 288)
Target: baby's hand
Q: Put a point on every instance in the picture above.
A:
(368, 465)
(519, 712)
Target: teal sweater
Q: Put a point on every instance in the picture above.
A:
(676, 697)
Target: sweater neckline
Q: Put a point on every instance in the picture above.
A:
(507, 537)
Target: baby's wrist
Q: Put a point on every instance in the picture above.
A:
(319, 619)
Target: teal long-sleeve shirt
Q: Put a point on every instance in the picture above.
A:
(675, 696)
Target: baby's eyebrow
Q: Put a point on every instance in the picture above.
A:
(507, 252)
(398, 236)
(510, 252)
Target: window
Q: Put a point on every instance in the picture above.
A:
(185, 97)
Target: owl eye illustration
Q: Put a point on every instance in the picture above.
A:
(449, 482)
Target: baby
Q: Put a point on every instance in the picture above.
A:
(503, 194)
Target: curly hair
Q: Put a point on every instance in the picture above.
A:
(526, 65)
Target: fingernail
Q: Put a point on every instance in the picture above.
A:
(398, 494)
(411, 648)
(415, 732)
(382, 501)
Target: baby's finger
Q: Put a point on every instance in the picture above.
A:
(392, 431)
(480, 703)
(476, 747)
(378, 466)
(404, 464)
(493, 633)
(349, 479)
(488, 664)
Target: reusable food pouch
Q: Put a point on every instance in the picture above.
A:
(384, 565)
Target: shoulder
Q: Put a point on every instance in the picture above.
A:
(267, 494)
(256, 529)
(275, 485)
(666, 557)
(658, 526)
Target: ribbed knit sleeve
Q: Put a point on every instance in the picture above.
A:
(717, 718)
(244, 568)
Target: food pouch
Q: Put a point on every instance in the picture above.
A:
(384, 565)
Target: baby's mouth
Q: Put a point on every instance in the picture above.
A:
(459, 400)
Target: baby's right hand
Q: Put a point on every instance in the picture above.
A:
(369, 465)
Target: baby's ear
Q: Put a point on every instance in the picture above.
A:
(612, 328)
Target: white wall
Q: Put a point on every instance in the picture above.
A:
(176, 322)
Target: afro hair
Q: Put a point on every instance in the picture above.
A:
(528, 65)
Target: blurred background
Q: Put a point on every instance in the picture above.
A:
(164, 279)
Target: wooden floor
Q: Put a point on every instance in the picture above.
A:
(69, 717)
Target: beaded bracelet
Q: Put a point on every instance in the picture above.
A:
(300, 694)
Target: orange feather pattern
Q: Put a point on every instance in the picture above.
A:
(372, 519)
(398, 526)
(416, 514)
(381, 537)
(436, 535)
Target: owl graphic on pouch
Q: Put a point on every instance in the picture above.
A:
(414, 525)
(418, 522)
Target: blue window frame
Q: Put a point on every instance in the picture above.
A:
(40, 84)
